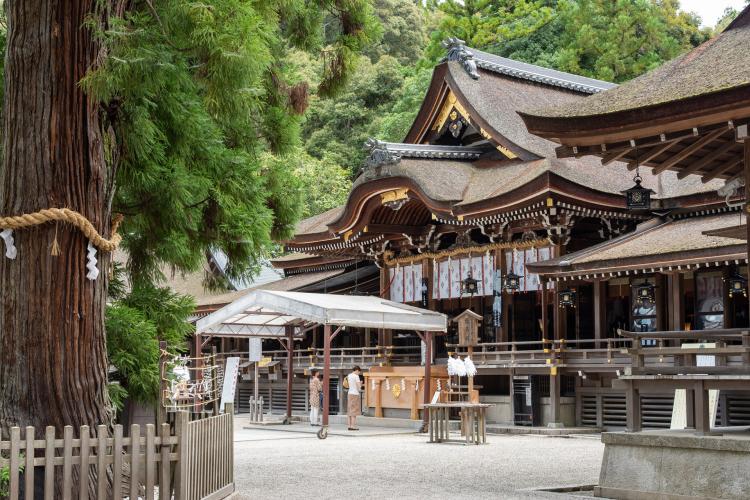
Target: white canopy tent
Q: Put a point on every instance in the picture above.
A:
(272, 314)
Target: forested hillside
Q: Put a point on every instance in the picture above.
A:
(613, 40)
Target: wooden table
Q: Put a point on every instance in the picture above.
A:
(473, 421)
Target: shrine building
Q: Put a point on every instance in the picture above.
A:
(572, 217)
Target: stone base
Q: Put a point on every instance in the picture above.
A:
(674, 465)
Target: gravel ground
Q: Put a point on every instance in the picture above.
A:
(289, 465)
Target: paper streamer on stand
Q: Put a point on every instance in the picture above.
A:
(10, 246)
(471, 370)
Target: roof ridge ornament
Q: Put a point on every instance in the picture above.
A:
(378, 162)
(457, 51)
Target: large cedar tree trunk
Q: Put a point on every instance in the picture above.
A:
(53, 361)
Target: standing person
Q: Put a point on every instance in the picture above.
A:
(354, 398)
(316, 390)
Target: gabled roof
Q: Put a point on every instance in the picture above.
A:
(654, 245)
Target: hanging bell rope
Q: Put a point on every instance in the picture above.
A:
(70, 216)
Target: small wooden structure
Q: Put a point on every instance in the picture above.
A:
(468, 328)
(473, 419)
(402, 387)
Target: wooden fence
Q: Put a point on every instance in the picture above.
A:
(199, 457)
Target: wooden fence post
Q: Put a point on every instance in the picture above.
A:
(181, 475)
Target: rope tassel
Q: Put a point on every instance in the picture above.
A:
(10, 247)
(91, 262)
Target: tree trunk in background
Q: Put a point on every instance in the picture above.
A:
(53, 360)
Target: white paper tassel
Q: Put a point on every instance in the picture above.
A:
(451, 366)
(460, 368)
(471, 370)
(372, 384)
(10, 246)
(387, 385)
(439, 385)
(416, 386)
(403, 384)
(91, 262)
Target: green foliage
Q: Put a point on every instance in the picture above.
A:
(619, 40)
(486, 24)
(338, 128)
(327, 183)
(198, 94)
(135, 325)
(5, 478)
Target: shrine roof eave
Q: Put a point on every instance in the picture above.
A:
(655, 245)
(731, 105)
(633, 266)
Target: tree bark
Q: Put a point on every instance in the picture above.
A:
(53, 358)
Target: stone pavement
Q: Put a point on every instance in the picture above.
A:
(384, 463)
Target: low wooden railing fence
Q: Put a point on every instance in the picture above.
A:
(198, 456)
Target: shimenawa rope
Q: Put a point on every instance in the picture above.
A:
(70, 216)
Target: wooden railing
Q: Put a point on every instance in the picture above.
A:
(199, 454)
(730, 349)
(563, 353)
(346, 357)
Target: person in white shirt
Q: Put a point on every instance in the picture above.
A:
(354, 398)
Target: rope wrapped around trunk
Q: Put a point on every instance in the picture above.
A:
(71, 217)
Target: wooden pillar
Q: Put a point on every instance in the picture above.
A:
(676, 301)
(554, 400)
(500, 332)
(746, 138)
(600, 312)
(290, 371)
(379, 399)
(427, 377)
(544, 312)
(632, 408)
(702, 413)
(326, 373)
(661, 309)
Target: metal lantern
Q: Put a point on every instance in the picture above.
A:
(644, 294)
(638, 197)
(469, 285)
(737, 286)
(567, 298)
(512, 281)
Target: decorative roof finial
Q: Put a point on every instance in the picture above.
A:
(379, 154)
(378, 162)
(457, 51)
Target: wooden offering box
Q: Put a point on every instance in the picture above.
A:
(404, 389)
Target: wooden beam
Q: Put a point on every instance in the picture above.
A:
(614, 156)
(653, 153)
(676, 158)
(713, 174)
(713, 155)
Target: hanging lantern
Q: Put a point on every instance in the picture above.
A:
(469, 285)
(512, 281)
(644, 294)
(638, 197)
(567, 298)
(737, 286)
